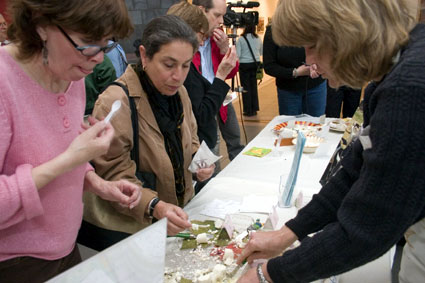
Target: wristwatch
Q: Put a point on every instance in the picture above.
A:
(152, 205)
(260, 274)
(295, 73)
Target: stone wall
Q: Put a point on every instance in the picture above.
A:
(141, 12)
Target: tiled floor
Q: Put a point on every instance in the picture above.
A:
(267, 96)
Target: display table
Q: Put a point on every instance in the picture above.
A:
(140, 258)
(248, 175)
(137, 259)
(260, 177)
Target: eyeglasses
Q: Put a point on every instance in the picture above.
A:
(89, 50)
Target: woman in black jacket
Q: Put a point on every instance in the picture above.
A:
(299, 88)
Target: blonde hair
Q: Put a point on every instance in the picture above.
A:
(361, 36)
(191, 14)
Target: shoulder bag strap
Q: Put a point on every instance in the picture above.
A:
(249, 46)
(134, 123)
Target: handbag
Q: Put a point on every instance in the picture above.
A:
(260, 67)
(148, 179)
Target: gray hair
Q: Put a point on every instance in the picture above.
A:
(166, 29)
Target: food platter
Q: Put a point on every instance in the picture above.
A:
(211, 261)
(298, 125)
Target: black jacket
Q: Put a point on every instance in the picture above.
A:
(206, 100)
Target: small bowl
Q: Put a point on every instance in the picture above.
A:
(311, 143)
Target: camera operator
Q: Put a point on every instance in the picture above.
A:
(207, 60)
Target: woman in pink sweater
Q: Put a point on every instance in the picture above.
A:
(44, 149)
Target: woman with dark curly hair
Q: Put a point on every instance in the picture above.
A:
(166, 137)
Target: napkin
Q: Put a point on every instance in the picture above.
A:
(203, 158)
(230, 97)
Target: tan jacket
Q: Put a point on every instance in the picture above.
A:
(117, 164)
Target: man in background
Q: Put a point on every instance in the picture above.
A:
(118, 59)
(207, 60)
(96, 82)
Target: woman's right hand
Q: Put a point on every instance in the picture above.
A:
(313, 71)
(303, 70)
(177, 218)
(265, 245)
(91, 143)
(227, 64)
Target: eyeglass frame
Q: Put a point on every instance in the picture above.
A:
(105, 49)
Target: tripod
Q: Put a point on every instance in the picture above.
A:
(239, 89)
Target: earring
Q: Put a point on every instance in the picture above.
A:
(144, 68)
(45, 52)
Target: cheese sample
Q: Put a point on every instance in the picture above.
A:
(218, 273)
(228, 256)
(202, 238)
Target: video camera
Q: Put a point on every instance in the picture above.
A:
(243, 19)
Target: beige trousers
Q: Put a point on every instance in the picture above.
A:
(412, 269)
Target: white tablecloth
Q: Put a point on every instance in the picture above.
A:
(247, 175)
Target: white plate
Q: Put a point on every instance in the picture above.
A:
(339, 125)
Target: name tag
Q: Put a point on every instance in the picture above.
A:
(365, 139)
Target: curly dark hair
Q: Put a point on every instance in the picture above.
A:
(165, 29)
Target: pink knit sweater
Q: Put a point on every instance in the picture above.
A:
(36, 126)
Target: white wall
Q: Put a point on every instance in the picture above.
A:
(266, 10)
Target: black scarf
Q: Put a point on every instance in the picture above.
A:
(168, 111)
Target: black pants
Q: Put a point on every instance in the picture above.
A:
(98, 238)
(344, 97)
(247, 74)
